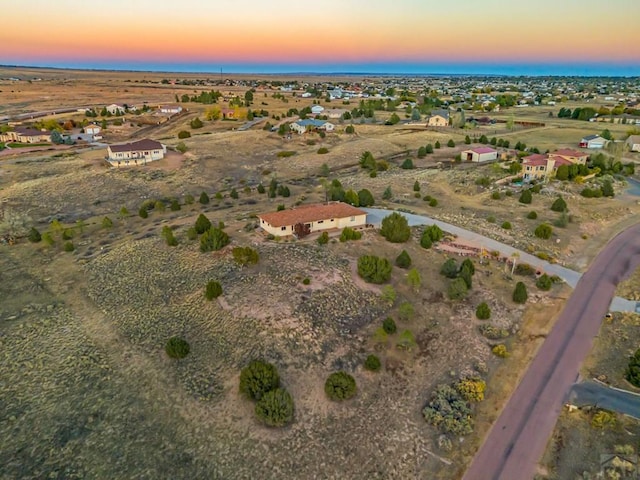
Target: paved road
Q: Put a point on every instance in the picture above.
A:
(599, 395)
(375, 216)
(519, 436)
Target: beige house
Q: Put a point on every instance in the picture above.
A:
(540, 167)
(633, 142)
(94, 131)
(438, 118)
(25, 135)
(301, 221)
(136, 153)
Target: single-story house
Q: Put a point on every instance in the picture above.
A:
(228, 113)
(25, 135)
(438, 118)
(479, 154)
(94, 131)
(571, 155)
(633, 142)
(170, 109)
(317, 109)
(305, 219)
(302, 126)
(136, 153)
(114, 109)
(593, 141)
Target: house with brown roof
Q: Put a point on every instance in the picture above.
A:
(306, 219)
(25, 135)
(438, 118)
(136, 153)
(571, 155)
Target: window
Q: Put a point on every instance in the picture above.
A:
(332, 219)
(283, 228)
(353, 219)
(320, 221)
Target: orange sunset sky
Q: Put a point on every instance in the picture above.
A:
(245, 33)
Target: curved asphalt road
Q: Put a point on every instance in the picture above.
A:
(519, 436)
(602, 396)
(375, 216)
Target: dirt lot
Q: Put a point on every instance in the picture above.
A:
(82, 333)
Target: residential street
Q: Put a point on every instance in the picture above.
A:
(519, 436)
(602, 396)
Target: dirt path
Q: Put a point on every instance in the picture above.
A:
(518, 438)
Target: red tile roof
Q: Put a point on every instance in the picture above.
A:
(561, 161)
(310, 213)
(535, 160)
(566, 152)
(138, 146)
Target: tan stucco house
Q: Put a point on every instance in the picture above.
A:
(633, 142)
(136, 153)
(307, 219)
(571, 155)
(438, 118)
(25, 135)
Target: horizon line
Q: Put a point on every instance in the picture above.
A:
(330, 73)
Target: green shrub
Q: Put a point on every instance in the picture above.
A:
(449, 268)
(562, 221)
(188, 199)
(425, 241)
(192, 234)
(407, 164)
(69, 247)
(457, 289)
(323, 150)
(559, 205)
(451, 143)
(175, 205)
(403, 260)
(483, 312)
(372, 363)
(204, 198)
(67, 234)
(406, 311)
(323, 239)
(48, 238)
(234, 194)
(181, 147)
(177, 347)
(433, 202)
(520, 293)
(213, 239)
(374, 269)
(604, 419)
(526, 197)
(387, 194)
(416, 186)
(275, 408)
(169, 238)
(543, 231)
(491, 219)
(496, 195)
(536, 188)
(306, 281)
(632, 372)
(196, 123)
(389, 326)
(182, 134)
(34, 235)
(448, 411)
(107, 223)
(506, 225)
(258, 378)
(471, 389)
(406, 340)
(245, 256)
(365, 198)
(524, 269)
(340, 386)
(213, 290)
(532, 215)
(286, 154)
(395, 228)
(544, 282)
(350, 234)
(202, 224)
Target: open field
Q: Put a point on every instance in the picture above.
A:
(82, 333)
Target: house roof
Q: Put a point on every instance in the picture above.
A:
(535, 160)
(442, 113)
(138, 146)
(633, 139)
(30, 132)
(590, 137)
(481, 150)
(310, 213)
(310, 122)
(567, 152)
(557, 161)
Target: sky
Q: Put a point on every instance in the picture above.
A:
(532, 37)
